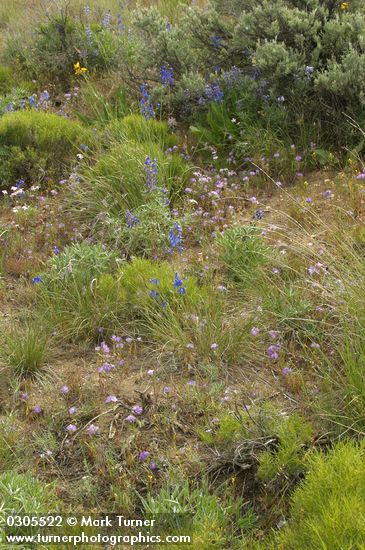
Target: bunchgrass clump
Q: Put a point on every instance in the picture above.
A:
(25, 348)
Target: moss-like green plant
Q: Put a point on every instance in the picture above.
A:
(36, 145)
(328, 508)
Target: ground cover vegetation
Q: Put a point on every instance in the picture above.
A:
(182, 244)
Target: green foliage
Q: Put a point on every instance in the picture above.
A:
(96, 108)
(118, 182)
(137, 128)
(82, 262)
(6, 79)
(328, 506)
(195, 317)
(149, 236)
(35, 145)
(25, 494)
(25, 348)
(342, 402)
(293, 433)
(243, 254)
(291, 309)
(305, 55)
(70, 298)
(58, 43)
(9, 442)
(230, 429)
(219, 512)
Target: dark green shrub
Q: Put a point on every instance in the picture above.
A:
(36, 145)
(297, 61)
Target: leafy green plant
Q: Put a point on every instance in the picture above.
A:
(328, 506)
(287, 460)
(143, 232)
(36, 144)
(176, 501)
(24, 494)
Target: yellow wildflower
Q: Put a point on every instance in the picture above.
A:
(78, 69)
(344, 5)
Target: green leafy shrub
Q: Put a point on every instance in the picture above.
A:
(35, 145)
(143, 232)
(295, 61)
(219, 511)
(328, 508)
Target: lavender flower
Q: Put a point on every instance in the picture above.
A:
(273, 351)
(92, 429)
(213, 92)
(130, 219)
(111, 399)
(71, 428)
(143, 455)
